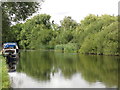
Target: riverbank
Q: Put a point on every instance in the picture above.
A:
(5, 78)
(70, 50)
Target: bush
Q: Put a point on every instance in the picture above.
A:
(59, 47)
(70, 47)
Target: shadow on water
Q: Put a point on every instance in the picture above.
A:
(41, 65)
(12, 61)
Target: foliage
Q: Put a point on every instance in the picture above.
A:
(18, 11)
(93, 35)
(70, 47)
(36, 32)
(68, 23)
(103, 42)
(15, 12)
(5, 77)
(59, 47)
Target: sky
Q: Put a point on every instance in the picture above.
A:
(78, 9)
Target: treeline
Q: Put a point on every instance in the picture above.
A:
(93, 35)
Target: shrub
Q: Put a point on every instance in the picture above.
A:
(70, 47)
(59, 47)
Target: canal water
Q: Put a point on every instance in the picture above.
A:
(49, 69)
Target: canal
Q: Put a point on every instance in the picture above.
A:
(50, 69)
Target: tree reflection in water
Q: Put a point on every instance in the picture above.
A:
(41, 64)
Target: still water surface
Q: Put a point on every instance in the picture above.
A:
(49, 69)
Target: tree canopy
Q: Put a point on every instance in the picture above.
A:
(93, 35)
(15, 12)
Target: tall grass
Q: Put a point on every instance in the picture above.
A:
(4, 76)
(70, 47)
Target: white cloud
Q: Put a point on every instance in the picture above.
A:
(78, 9)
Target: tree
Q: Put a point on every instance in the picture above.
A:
(37, 28)
(68, 23)
(15, 12)
(16, 29)
(18, 11)
(100, 36)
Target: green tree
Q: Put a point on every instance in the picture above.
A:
(15, 12)
(100, 37)
(68, 23)
(38, 28)
(16, 32)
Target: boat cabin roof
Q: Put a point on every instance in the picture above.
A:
(10, 45)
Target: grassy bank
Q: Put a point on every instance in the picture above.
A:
(5, 77)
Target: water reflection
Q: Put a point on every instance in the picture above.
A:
(44, 65)
(12, 62)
